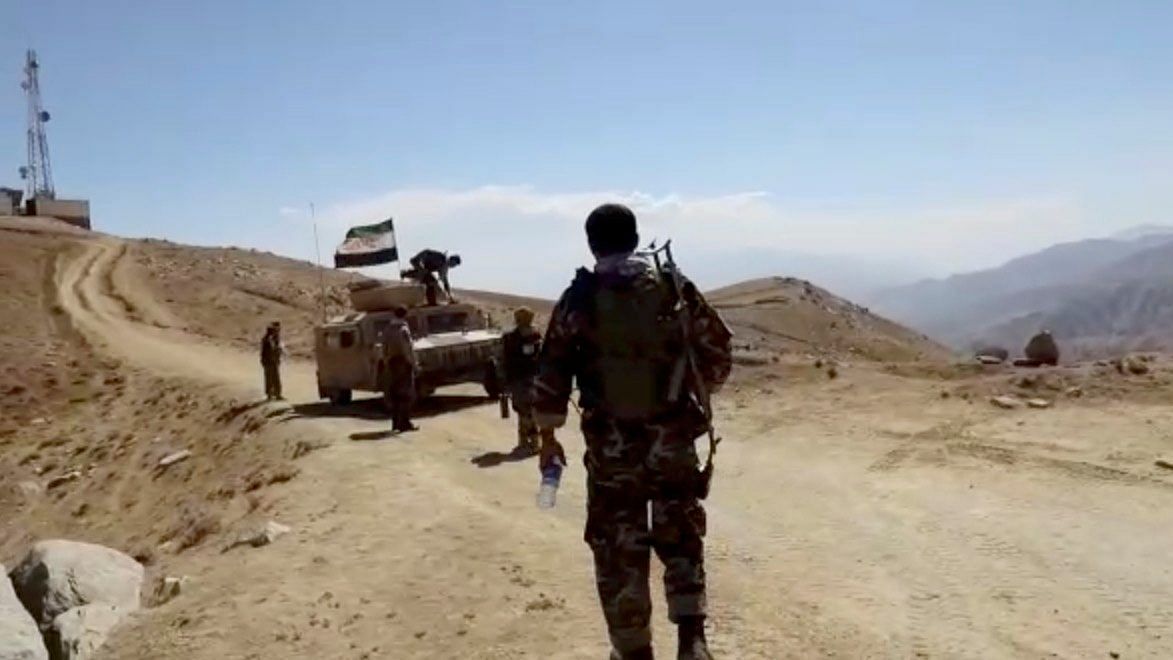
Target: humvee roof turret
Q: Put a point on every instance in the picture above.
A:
(452, 343)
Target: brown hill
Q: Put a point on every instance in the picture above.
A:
(784, 314)
(230, 293)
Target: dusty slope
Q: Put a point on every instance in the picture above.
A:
(788, 315)
(860, 517)
(76, 411)
(231, 294)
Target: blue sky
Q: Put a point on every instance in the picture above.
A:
(926, 137)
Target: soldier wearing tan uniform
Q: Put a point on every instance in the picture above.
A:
(402, 367)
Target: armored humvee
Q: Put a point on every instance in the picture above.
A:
(452, 343)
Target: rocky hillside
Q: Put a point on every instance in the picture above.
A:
(789, 315)
(231, 294)
(1098, 296)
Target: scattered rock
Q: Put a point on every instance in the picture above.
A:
(1162, 463)
(63, 479)
(57, 576)
(1038, 403)
(1028, 382)
(832, 372)
(20, 639)
(1043, 349)
(1006, 402)
(1135, 365)
(260, 536)
(78, 633)
(172, 459)
(168, 589)
(40, 421)
(992, 355)
(30, 489)
(1075, 392)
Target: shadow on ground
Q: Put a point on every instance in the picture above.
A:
(373, 408)
(495, 458)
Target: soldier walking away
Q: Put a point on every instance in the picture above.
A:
(426, 266)
(522, 346)
(401, 371)
(629, 334)
(271, 352)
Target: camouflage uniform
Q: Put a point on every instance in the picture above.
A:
(401, 370)
(631, 463)
(522, 346)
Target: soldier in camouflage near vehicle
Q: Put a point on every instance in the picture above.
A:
(522, 346)
(401, 371)
(618, 332)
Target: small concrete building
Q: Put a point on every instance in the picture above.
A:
(74, 211)
(10, 201)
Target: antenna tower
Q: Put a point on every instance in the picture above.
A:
(39, 172)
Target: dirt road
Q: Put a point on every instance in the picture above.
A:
(864, 517)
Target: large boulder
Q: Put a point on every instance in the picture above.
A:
(57, 576)
(1042, 349)
(19, 637)
(78, 633)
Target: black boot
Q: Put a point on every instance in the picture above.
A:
(691, 642)
(641, 654)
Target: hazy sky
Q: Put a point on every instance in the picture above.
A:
(928, 136)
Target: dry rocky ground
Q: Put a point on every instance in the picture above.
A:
(870, 500)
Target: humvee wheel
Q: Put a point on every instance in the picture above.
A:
(339, 397)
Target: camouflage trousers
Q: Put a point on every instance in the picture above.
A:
(641, 481)
(400, 394)
(522, 397)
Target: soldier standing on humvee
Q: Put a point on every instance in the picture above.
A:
(426, 265)
(401, 370)
(619, 332)
(522, 345)
(271, 352)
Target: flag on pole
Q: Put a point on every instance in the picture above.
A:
(368, 245)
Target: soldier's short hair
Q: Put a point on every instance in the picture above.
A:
(611, 229)
(400, 311)
(523, 315)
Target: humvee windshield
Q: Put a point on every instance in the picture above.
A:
(448, 322)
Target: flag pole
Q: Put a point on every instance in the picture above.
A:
(321, 273)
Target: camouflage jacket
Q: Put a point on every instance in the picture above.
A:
(522, 346)
(560, 362)
(397, 344)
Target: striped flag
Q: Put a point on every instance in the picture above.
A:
(368, 245)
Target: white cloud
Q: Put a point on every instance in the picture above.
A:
(526, 240)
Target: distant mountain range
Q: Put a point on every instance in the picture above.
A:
(1096, 296)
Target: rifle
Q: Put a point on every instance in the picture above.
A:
(687, 366)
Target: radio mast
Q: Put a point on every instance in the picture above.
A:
(38, 172)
